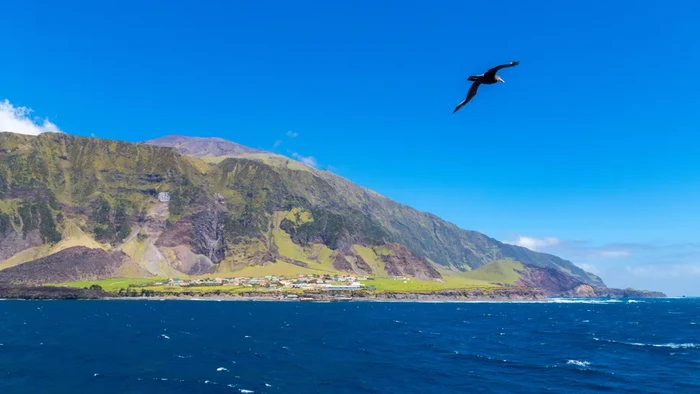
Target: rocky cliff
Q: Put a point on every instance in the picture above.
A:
(588, 291)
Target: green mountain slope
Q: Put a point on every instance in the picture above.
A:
(233, 209)
(425, 234)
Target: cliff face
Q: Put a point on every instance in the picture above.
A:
(401, 262)
(223, 209)
(552, 281)
(76, 263)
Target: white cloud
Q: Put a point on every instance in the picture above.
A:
(17, 120)
(308, 160)
(612, 253)
(589, 268)
(534, 243)
(577, 249)
(292, 134)
(656, 271)
(276, 144)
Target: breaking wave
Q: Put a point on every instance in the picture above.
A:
(671, 345)
(578, 363)
(582, 301)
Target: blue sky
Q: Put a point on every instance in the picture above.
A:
(589, 150)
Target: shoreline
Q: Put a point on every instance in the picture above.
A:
(549, 300)
(68, 293)
(503, 295)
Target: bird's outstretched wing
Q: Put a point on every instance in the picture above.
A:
(470, 94)
(492, 72)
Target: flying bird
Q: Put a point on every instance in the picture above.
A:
(487, 78)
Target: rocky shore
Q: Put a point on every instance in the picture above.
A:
(501, 294)
(515, 294)
(608, 292)
(11, 292)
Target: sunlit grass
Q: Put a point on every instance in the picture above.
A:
(502, 271)
(114, 284)
(408, 285)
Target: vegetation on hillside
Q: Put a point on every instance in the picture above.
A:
(502, 271)
(226, 210)
(111, 224)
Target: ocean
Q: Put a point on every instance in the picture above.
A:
(152, 346)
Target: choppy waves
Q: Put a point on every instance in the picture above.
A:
(592, 345)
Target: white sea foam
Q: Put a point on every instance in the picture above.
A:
(164, 336)
(581, 301)
(246, 391)
(268, 385)
(671, 345)
(578, 363)
(222, 369)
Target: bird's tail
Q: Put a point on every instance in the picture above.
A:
(473, 78)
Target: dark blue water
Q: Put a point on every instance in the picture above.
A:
(150, 347)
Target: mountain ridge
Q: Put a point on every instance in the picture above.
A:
(202, 146)
(327, 175)
(231, 210)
